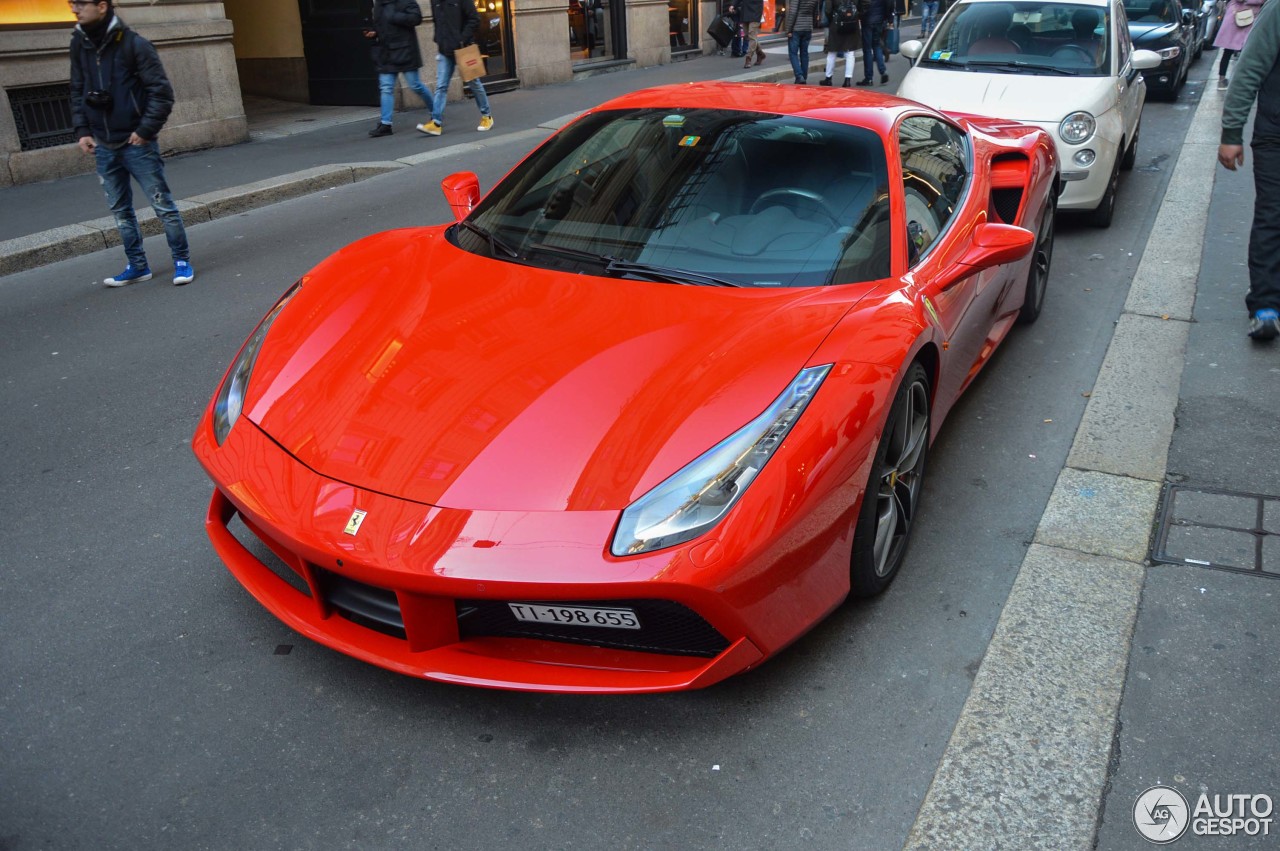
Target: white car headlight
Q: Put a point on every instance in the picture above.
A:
(1169, 52)
(698, 496)
(229, 403)
(1077, 127)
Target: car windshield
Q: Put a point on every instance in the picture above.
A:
(706, 197)
(1033, 38)
(1150, 12)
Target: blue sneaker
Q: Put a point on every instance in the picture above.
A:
(130, 275)
(182, 273)
(1265, 324)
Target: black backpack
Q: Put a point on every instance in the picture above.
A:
(845, 17)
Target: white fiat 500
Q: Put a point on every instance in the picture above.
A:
(1065, 65)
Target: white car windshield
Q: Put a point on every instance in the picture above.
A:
(1024, 38)
(706, 197)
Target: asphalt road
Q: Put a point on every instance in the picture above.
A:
(149, 702)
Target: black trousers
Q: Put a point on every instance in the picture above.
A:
(1264, 237)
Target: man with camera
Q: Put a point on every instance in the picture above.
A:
(120, 98)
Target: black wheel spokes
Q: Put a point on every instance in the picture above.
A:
(899, 488)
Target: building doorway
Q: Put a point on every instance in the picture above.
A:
(339, 65)
(493, 37)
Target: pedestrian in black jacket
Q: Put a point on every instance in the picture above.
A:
(120, 98)
(395, 52)
(456, 22)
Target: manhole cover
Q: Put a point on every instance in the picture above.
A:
(1220, 529)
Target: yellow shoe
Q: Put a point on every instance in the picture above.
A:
(431, 128)
(486, 123)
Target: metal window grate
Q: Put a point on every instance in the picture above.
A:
(42, 115)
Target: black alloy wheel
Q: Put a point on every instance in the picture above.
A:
(1038, 275)
(892, 497)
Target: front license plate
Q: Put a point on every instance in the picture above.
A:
(575, 615)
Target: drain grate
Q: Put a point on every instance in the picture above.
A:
(1219, 529)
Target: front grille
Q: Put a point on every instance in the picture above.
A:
(42, 115)
(370, 606)
(665, 627)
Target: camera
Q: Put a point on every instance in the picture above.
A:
(99, 100)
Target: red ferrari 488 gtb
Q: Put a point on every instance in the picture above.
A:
(648, 410)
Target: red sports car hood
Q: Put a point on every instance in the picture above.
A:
(407, 366)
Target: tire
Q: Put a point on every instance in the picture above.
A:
(892, 497)
(1131, 152)
(1101, 216)
(1038, 274)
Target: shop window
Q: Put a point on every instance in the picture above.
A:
(595, 30)
(36, 12)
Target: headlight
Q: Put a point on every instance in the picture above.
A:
(1077, 127)
(1169, 52)
(229, 402)
(696, 498)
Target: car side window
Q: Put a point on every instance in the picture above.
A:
(935, 173)
(1123, 45)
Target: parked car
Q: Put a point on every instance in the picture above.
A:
(646, 412)
(1208, 15)
(1066, 66)
(1164, 27)
(1213, 12)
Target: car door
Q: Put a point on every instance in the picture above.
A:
(935, 160)
(1131, 89)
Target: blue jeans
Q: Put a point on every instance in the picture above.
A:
(928, 17)
(872, 46)
(444, 73)
(798, 51)
(387, 91)
(143, 162)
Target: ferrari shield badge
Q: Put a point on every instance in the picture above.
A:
(353, 525)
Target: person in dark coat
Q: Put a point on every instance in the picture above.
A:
(842, 41)
(1257, 80)
(120, 98)
(456, 23)
(395, 52)
(873, 16)
(751, 11)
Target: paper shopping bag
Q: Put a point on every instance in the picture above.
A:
(470, 62)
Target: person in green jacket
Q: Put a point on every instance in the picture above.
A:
(1257, 78)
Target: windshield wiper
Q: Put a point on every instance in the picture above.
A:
(572, 253)
(495, 242)
(666, 273)
(1022, 66)
(614, 266)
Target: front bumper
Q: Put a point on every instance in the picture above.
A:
(1084, 186)
(1164, 76)
(423, 590)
